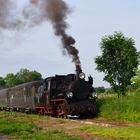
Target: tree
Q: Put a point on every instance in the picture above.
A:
(34, 75)
(135, 80)
(10, 80)
(2, 82)
(23, 76)
(117, 61)
(138, 57)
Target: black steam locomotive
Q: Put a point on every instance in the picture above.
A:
(61, 95)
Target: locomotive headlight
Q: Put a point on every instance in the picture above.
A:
(94, 94)
(82, 75)
(69, 94)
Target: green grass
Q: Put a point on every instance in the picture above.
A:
(125, 108)
(128, 133)
(21, 126)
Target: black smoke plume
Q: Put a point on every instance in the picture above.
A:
(56, 12)
(38, 11)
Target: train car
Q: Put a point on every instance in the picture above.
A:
(61, 96)
(19, 98)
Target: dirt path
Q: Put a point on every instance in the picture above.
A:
(2, 137)
(71, 126)
(106, 123)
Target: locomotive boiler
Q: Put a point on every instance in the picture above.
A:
(61, 96)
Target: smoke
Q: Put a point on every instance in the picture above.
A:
(5, 9)
(56, 12)
(8, 19)
(37, 12)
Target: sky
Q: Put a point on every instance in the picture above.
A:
(39, 49)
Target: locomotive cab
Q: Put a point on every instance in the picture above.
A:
(58, 85)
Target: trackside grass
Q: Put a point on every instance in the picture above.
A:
(22, 127)
(125, 108)
(128, 133)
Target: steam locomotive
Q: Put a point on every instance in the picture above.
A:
(61, 96)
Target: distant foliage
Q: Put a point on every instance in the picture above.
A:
(10, 80)
(2, 82)
(100, 89)
(23, 76)
(117, 61)
(109, 91)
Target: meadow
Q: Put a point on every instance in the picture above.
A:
(24, 127)
(123, 108)
(124, 112)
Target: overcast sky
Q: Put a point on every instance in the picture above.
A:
(39, 49)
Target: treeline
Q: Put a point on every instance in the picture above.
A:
(102, 90)
(23, 76)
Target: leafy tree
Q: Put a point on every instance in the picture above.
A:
(117, 61)
(10, 80)
(2, 82)
(34, 75)
(23, 76)
(138, 57)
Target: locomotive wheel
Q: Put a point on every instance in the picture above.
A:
(64, 116)
(61, 113)
(41, 112)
